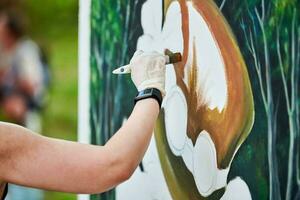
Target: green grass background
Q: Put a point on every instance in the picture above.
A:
(54, 25)
(60, 115)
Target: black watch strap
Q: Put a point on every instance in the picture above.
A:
(149, 93)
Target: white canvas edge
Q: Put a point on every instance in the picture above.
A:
(84, 76)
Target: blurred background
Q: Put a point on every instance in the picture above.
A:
(53, 26)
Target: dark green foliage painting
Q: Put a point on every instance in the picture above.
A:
(269, 33)
(115, 29)
(254, 134)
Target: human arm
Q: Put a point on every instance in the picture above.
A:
(36, 161)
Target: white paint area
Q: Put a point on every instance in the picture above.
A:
(155, 39)
(237, 189)
(187, 154)
(151, 22)
(176, 113)
(176, 123)
(207, 176)
(204, 163)
(210, 66)
(151, 18)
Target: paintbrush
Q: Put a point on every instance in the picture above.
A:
(170, 59)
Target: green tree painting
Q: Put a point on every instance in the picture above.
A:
(115, 28)
(269, 39)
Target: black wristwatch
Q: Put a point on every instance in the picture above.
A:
(149, 93)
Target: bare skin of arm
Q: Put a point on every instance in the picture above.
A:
(2, 187)
(31, 160)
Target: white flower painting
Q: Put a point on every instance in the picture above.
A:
(201, 97)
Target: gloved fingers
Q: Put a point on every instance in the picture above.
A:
(141, 53)
(152, 53)
(147, 53)
(148, 70)
(156, 52)
(146, 57)
(159, 57)
(161, 60)
(137, 53)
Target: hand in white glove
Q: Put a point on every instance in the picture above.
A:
(148, 70)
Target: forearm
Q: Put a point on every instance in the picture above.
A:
(130, 143)
(36, 161)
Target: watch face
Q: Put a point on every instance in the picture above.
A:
(145, 92)
(150, 93)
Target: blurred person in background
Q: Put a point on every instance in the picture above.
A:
(23, 81)
(22, 72)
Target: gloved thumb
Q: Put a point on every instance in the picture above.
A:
(138, 52)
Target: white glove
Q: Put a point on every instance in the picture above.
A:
(148, 71)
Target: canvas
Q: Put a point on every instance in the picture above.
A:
(229, 123)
